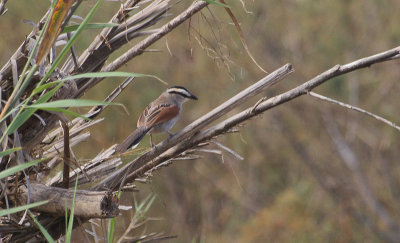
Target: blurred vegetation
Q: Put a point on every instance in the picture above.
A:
(270, 196)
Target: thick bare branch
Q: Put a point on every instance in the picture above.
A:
(87, 204)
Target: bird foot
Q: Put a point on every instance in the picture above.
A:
(170, 135)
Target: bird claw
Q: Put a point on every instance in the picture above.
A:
(170, 135)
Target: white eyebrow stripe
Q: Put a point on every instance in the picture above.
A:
(177, 90)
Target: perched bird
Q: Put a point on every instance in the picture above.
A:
(159, 116)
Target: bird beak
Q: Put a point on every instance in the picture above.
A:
(193, 97)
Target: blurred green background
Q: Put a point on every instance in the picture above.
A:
(273, 194)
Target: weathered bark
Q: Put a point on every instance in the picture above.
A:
(88, 204)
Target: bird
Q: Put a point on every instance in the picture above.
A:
(159, 116)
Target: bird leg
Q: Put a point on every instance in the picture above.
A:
(151, 141)
(170, 134)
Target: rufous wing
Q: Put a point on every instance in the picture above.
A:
(152, 116)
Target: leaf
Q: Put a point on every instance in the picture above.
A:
(17, 92)
(15, 109)
(111, 230)
(21, 208)
(21, 88)
(45, 86)
(111, 74)
(89, 26)
(241, 35)
(19, 120)
(69, 103)
(65, 111)
(9, 151)
(149, 203)
(111, 225)
(59, 13)
(71, 217)
(15, 169)
(42, 229)
(44, 98)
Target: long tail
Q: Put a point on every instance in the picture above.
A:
(132, 139)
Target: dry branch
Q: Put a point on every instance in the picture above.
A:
(88, 204)
(379, 118)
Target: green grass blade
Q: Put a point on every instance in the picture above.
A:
(149, 203)
(19, 120)
(21, 208)
(13, 102)
(89, 26)
(45, 86)
(111, 230)
(48, 95)
(41, 228)
(8, 114)
(9, 151)
(71, 217)
(17, 168)
(25, 84)
(112, 74)
(111, 225)
(70, 103)
(144, 206)
(68, 112)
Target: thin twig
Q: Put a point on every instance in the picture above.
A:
(379, 118)
(73, 53)
(67, 156)
(241, 35)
